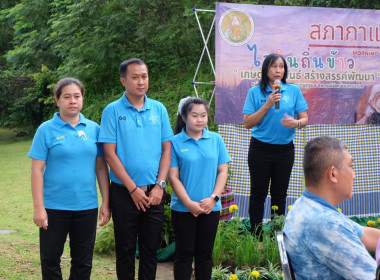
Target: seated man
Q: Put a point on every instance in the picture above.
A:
(321, 242)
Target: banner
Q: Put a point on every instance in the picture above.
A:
(332, 54)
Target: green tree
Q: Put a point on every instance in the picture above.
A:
(34, 102)
(30, 49)
(88, 39)
(6, 30)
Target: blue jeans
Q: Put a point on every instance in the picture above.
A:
(130, 223)
(194, 238)
(81, 228)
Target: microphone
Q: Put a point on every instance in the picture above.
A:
(277, 84)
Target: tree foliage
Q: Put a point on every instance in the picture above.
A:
(30, 47)
(88, 39)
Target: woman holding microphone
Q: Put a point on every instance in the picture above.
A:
(271, 150)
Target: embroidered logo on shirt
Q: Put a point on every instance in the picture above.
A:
(153, 119)
(285, 98)
(82, 135)
(122, 118)
(184, 150)
(61, 137)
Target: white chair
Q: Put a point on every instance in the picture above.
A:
(285, 261)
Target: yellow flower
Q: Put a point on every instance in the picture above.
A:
(371, 223)
(378, 220)
(340, 210)
(282, 275)
(289, 207)
(233, 208)
(233, 277)
(274, 207)
(255, 273)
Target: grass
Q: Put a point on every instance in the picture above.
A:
(19, 251)
(235, 247)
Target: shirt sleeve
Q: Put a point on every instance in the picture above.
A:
(108, 127)
(39, 149)
(249, 105)
(174, 157)
(301, 104)
(338, 246)
(99, 146)
(166, 132)
(224, 157)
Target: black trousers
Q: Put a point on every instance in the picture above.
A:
(194, 238)
(81, 228)
(268, 163)
(130, 223)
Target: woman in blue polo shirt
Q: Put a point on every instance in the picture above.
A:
(66, 159)
(271, 150)
(198, 174)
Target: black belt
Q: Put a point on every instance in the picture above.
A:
(146, 189)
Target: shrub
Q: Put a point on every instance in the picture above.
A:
(105, 240)
(33, 105)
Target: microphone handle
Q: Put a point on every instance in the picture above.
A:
(277, 104)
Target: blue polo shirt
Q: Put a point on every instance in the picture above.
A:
(70, 154)
(269, 129)
(138, 136)
(198, 163)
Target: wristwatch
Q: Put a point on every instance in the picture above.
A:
(162, 184)
(215, 197)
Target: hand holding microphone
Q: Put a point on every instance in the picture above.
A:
(277, 85)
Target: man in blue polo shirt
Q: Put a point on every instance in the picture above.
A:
(136, 134)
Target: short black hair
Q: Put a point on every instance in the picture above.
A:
(321, 153)
(123, 69)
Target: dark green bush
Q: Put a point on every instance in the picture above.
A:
(105, 240)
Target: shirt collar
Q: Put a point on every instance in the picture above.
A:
(61, 123)
(127, 104)
(318, 199)
(184, 137)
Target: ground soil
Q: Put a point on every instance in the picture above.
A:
(165, 271)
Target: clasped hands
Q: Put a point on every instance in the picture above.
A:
(205, 206)
(142, 201)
